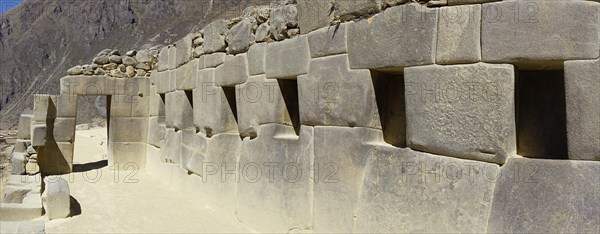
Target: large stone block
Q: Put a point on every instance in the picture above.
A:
(163, 59)
(21, 145)
(193, 150)
(178, 109)
(172, 57)
(547, 196)
(348, 10)
(127, 156)
(57, 197)
(39, 133)
(328, 41)
(459, 35)
(63, 129)
(582, 91)
(171, 151)
(344, 97)
(129, 106)
(157, 104)
(399, 37)
(214, 39)
(128, 129)
(136, 86)
(184, 50)
(185, 76)
(314, 14)
(25, 127)
(66, 105)
(256, 59)
(232, 72)
(87, 85)
(464, 111)
(156, 131)
(43, 108)
(21, 200)
(55, 158)
(275, 186)
(214, 60)
(536, 34)
(241, 36)
(407, 191)
(260, 101)
(37, 226)
(339, 166)
(163, 82)
(287, 59)
(219, 174)
(214, 112)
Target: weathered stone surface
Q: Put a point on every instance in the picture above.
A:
(37, 226)
(275, 176)
(127, 156)
(38, 134)
(288, 58)
(87, 85)
(348, 10)
(179, 110)
(17, 163)
(128, 129)
(43, 108)
(115, 59)
(21, 145)
(56, 158)
(459, 32)
(185, 76)
(407, 191)
(74, 71)
(184, 50)
(505, 39)
(156, 131)
(172, 57)
(214, 40)
(328, 41)
(213, 60)
(582, 91)
(314, 14)
(345, 97)
(171, 151)
(401, 36)
(260, 101)
(214, 113)
(101, 60)
(157, 105)
(232, 72)
(21, 199)
(63, 129)
(163, 59)
(129, 106)
(241, 36)
(163, 83)
(262, 33)
(25, 127)
(256, 59)
(546, 196)
(66, 105)
(193, 150)
(340, 160)
(57, 197)
(281, 19)
(220, 176)
(464, 111)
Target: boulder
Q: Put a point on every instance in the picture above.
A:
(262, 32)
(74, 71)
(314, 14)
(101, 60)
(241, 36)
(129, 61)
(214, 40)
(115, 59)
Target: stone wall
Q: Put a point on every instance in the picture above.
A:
(372, 116)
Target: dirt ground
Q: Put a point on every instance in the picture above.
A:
(108, 201)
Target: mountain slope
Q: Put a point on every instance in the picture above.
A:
(40, 40)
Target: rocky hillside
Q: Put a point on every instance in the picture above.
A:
(40, 40)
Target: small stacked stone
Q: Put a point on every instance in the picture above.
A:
(111, 63)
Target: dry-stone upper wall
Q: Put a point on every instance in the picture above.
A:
(361, 116)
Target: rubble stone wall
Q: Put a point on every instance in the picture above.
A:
(370, 116)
